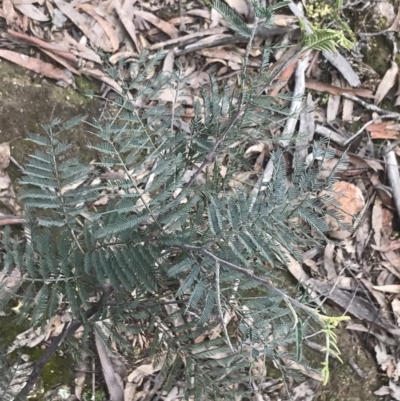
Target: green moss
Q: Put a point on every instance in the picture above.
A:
(378, 54)
(84, 85)
(27, 102)
(59, 370)
(99, 395)
(9, 329)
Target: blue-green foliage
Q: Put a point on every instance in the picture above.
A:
(138, 243)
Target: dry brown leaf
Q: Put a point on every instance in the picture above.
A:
(10, 14)
(391, 246)
(387, 83)
(329, 262)
(396, 310)
(391, 288)
(384, 130)
(259, 164)
(219, 53)
(257, 148)
(78, 49)
(387, 225)
(115, 58)
(240, 6)
(395, 27)
(169, 60)
(215, 18)
(336, 90)
(131, 393)
(145, 370)
(90, 28)
(61, 49)
(283, 78)
(380, 298)
(9, 282)
(384, 193)
(114, 386)
(140, 23)
(16, 2)
(377, 221)
(7, 194)
(344, 67)
(80, 377)
(327, 167)
(198, 79)
(239, 179)
(170, 95)
(128, 24)
(5, 155)
(181, 20)
(61, 61)
(284, 20)
(164, 26)
(102, 76)
(29, 338)
(107, 27)
(32, 12)
(348, 105)
(40, 67)
(5, 182)
(362, 162)
(203, 13)
(299, 367)
(333, 105)
(183, 39)
(350, 200)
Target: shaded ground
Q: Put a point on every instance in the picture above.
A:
(27, 102)
(344, 382)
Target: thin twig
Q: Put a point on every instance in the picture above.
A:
(18, 165)
(331, 135)
(93, 380)
(370, 106)
(249, 273)
(356, 368)
(6, 220)
(183, 39)
(360, 131)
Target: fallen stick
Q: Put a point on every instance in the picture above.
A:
(295, 107)
(393, 175)
(370, 106)
(6, 220)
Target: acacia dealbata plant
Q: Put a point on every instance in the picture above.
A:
(180, 253)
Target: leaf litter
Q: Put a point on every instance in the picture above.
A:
(362, 282)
